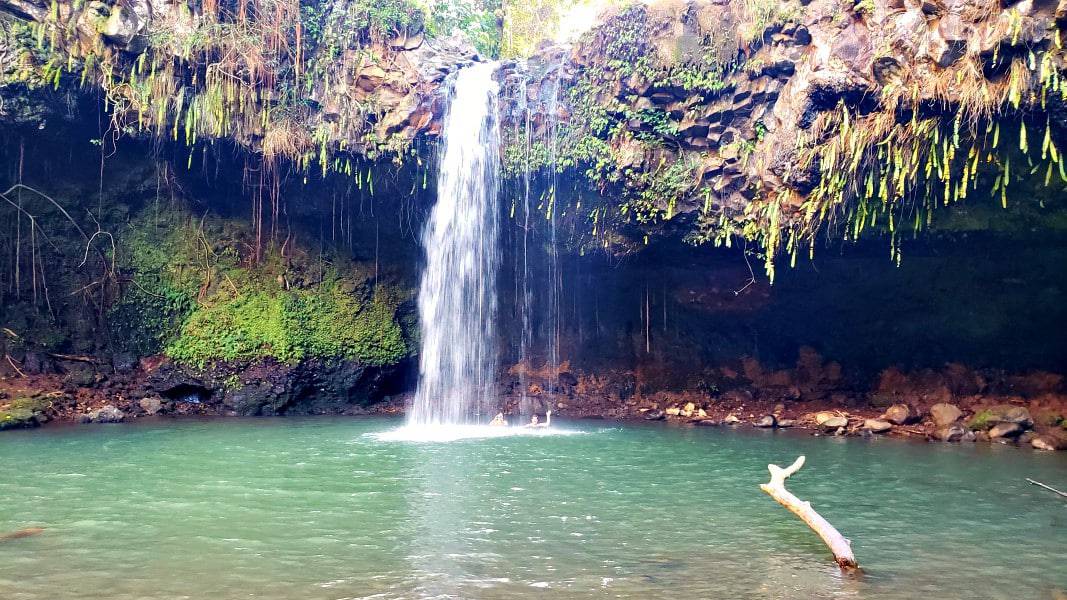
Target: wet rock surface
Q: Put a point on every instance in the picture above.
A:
(106, 414)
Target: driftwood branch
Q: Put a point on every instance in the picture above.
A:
(1047, 487)
(75, 358)
(839, 546)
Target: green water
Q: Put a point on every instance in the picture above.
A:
(317, 509)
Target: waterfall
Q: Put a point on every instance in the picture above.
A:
(457, 294)
(555, 286)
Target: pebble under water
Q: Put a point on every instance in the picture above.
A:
(329, 509)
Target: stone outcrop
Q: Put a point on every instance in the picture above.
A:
(106, 414)
(371, 91)
(264, 388)
(700, 118)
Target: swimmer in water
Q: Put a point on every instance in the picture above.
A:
(498, 421)
(535, 422)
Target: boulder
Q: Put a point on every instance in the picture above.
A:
(786, 422)
(674, 411)
(655, 415)
(877, 425)
(1006, 430)
(823, 417)
(124, 24)
(900, 414)
(766, 421)
(107, 414)
(1001, 413)
(151, 405)
(17, 418)
(952, 433)
(1048, 442)
(731, 420)
(1013, 414)
(707, 423)
(945, 414)
(834, 423)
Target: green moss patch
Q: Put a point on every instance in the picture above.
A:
(290, 326)
(194, 297)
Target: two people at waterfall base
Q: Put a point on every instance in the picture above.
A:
(498, 421)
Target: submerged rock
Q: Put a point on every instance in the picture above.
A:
(945, 414)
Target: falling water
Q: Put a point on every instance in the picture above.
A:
(457, 295)
(556, 284)
(526, 303)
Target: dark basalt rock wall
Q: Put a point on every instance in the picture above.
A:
(713, 119)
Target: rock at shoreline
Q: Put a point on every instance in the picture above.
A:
(1001, 413)
(877, 425)
(151, 406)
(945, 414)
(954, 433)
(1048, 442)
(823, 417)
(107, 414)
(17, 418)
(766, 421)
(655, 415)
(900, 414)
(786, 422)
(708, 423)
(731, 420)
(1006, 430)
(834, 423)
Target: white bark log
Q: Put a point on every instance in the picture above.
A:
(838, 544)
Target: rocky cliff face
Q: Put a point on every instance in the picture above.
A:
(305, 83)
(720, 121)
(773, 121)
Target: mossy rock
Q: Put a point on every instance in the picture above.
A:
(985, 419)
(982, 421)
(34, 404)
(17, 418)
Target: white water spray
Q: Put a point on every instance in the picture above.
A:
(457, 295)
